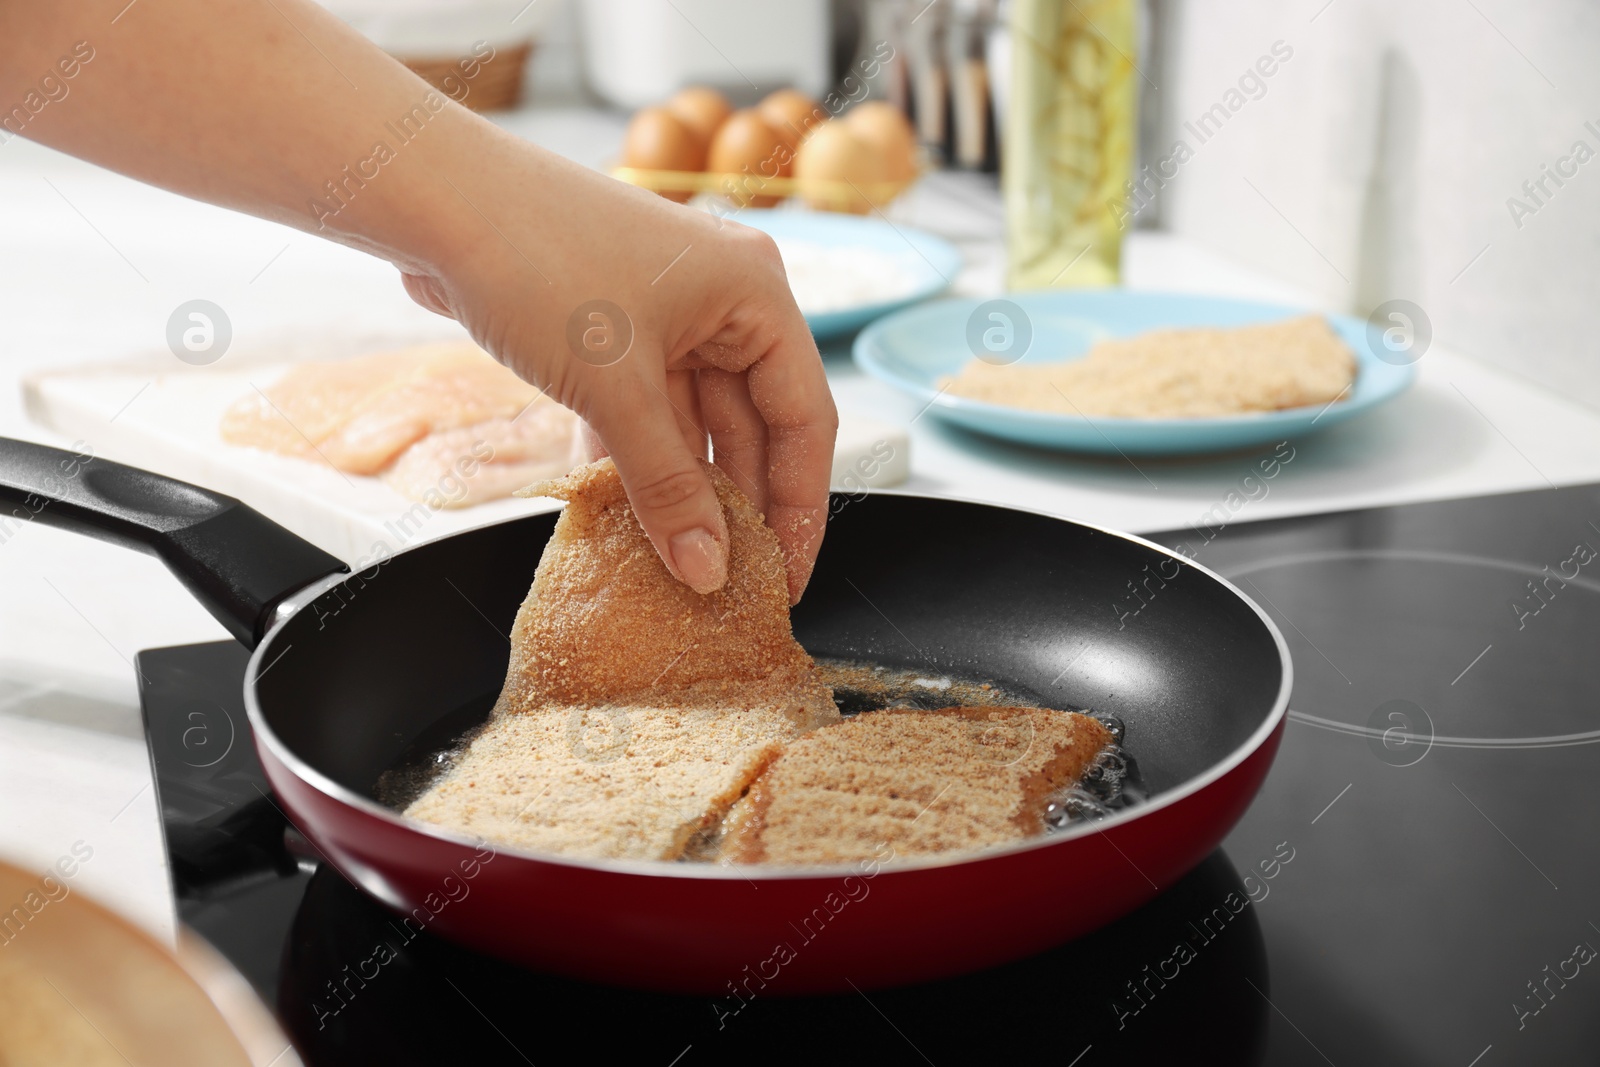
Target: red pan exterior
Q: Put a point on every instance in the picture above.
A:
(734, 937)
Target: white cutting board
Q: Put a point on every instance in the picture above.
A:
(155, 412)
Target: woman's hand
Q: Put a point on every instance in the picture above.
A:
(659, 325)
(282, 110)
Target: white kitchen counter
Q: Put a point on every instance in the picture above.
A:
(92, 264)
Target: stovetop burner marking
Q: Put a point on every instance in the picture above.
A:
(1403, 554)
(1586, 737)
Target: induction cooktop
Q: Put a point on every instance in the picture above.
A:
(1421, 865)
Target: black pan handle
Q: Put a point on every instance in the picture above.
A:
(236, 561)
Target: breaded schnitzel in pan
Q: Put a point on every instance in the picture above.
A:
(637, 711)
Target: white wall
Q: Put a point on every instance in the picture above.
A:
(1391, 141)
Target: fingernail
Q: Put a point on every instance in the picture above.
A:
(700, 559)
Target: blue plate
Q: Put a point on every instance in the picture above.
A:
(912, 350)
(932, 261)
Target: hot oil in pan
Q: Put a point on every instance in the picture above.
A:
(431, 754)
(1111, 783)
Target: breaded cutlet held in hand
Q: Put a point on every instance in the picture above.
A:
(605, 622)
(635, 710)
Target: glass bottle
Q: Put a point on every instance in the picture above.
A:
(1069, 140)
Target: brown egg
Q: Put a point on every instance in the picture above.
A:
(792, 114)
(886, 129)
(747, 146)
(658, 140)
(702, 110)
(836, 154)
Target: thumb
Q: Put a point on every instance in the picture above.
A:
(668, 488)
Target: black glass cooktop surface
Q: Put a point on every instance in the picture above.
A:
(1421, 863)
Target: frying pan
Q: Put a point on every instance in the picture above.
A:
(349, 671)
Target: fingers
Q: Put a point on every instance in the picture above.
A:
(593, 447)
(426, 291)
(799, 464)
(685, 399)
(788, 388)
(669, 490)
(738, 433)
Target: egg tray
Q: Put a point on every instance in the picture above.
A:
(830, 194)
